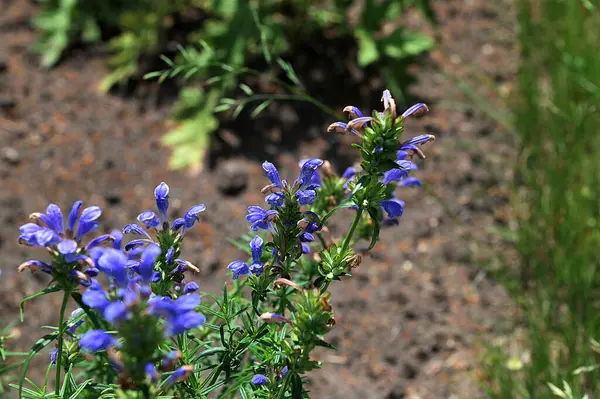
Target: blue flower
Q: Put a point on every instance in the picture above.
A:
(73, 215)
(190, 288)
(53, 356)
(275, 199)
(180, 374)
(149, 218)
(410, 182)
(273, 174)
(37, 236)
(135, 229)
(113, 263)
(256, 267)
(416, 109)
(191, 216)
(68, 249)
(393, 207)
(179, 314)
(422, 139)
(306, 178)
(87, 221)
(146, 265)
(260, 218)
(306, 197)
(161, 194)
(75, 325)
(238, 268)
(151, 372)
(259, 380)
(97, 340)
(169, 256)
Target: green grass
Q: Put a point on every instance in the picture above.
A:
(557, 198)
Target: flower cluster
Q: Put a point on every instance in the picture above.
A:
(47, 230)
(140, 329)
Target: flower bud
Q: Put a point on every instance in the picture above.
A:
(269, 317)
(280, 282)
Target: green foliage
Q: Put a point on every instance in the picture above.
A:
(226, 33)
(558, 201)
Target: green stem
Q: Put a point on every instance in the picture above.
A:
(61, 331)
(350, 234)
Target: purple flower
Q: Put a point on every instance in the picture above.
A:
(169, 256)
(177, 224)
(410, 182)
(68, 249)
(238, 268)
(34, 235)
(135, 229)
(394, 207)
(53, 356)
(179, 314)
(259, 380)
(96, 241)
(353, 112)
(161, 193)
(180, 374)
(275, 199)
(416, 109)
(273, 174)
(113, 263)
(151, 371)
(75, 325)
(422, 139)
(149, 218)
(306, 197)
(116, 311)
(190, 288)
(73, 215)
(191, 216)
(96, 298)
(256, 267)
(146, 265)
(87, 221)
(97, 340)
(260, 218)
(307, 173)
(54, 218)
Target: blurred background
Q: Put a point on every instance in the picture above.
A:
(488, 288)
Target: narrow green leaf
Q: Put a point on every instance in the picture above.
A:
(246, 89)
(48, 290)
(264, 105)
(37, 346)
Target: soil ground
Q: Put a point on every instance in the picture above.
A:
(411, 322)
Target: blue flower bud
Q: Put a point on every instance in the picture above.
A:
(161, 194)
(259, 380)
(97, 340)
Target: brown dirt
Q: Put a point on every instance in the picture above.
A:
(411, 321)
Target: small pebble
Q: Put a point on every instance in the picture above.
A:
(11, 155)
(232, 177)
(7, 103)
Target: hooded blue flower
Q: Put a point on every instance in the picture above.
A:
(53, 356)
(97, 340)
(179, 314)
(259, 380)
(393, 207)
(87, 221)
(161, 194)
(260, 218)
(256, 267)
(190, 287)
(150, 219)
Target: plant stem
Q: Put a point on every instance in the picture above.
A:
(61, 331)
(350, 234)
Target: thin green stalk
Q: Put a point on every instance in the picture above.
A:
(61, 331)
(350, 234)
